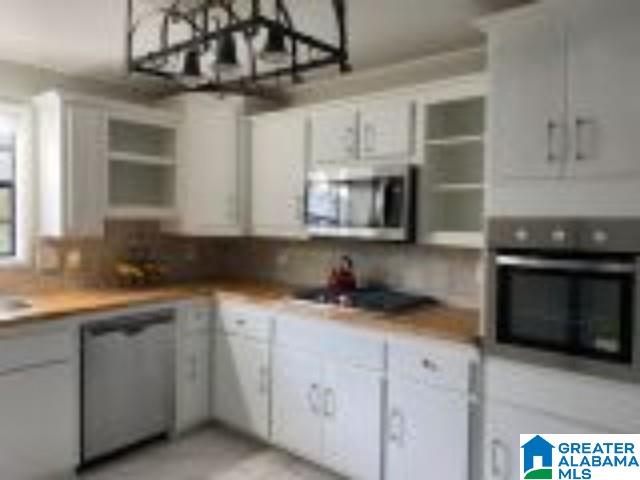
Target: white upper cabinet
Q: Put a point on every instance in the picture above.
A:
(210, 188)
(527, 111)
(603, 78)
(565, 102)
(387, 129)
(334, 135)
(278, 169)
(72, 165)
(374, 130)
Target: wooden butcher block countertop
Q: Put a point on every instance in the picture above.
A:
(440, 320)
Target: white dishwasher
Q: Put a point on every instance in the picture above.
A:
(128, 378)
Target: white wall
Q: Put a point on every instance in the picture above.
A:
(20, 82)
(422, 70)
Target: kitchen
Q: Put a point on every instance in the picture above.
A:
(391, 270)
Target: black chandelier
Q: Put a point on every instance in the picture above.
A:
(216, 45)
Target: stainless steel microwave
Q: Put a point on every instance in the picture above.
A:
(375, 203)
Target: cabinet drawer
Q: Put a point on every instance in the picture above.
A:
(334, 342)
(437, 363)
(246, 320)
(22, 352)
(197, 318)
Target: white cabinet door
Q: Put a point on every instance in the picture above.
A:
(278, 175)
(193, 381)
(334, 136)
(504, 424)
(387, 130)
(241, 383)
(527, 112)
(604, 106)
(86, 170)
(209, 171)
(39, 418)
(427, 431)
(352, 406)
(297, 422)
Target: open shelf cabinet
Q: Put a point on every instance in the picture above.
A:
(142, 169)
(453, 181)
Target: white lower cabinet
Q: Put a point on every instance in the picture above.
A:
(504, 424)
(297, 403)
(352, 430)
(327, 396)
(430, 416)
(192, 366)
(241, 383)
(39, 408)
(427, 432)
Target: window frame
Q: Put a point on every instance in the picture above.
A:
(22, 187)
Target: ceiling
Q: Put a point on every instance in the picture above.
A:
(86, 37)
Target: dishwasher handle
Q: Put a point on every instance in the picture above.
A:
(128, 325)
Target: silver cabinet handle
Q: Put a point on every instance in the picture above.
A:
(300, 207)
(552, 129)
(581, 151)
(501, 470)
(264, 380)
(312, 398)
(329, 403)
(369, 138)
(350, 141)
(396, 427)
(193, 368)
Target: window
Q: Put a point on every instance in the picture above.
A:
(8, 152)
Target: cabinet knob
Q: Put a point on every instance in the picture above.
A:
(559, 235)
(521, 235)
(600, 237)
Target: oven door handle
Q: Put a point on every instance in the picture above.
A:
(582, 266)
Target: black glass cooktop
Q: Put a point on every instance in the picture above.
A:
(373, 299)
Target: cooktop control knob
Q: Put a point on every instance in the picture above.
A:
(559, 235)
(600, 237)
(521, 235)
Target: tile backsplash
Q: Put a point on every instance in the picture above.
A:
(451, 275)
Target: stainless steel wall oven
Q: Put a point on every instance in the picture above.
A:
(566, 292)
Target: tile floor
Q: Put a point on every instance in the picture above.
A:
(212, 454)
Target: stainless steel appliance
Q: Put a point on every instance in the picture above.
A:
(127, 382)
(566, 292)
(367, 203)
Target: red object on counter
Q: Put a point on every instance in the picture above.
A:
(343, 278)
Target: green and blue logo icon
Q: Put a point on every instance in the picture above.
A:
(537, 459)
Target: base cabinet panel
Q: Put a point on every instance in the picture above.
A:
(504, 424)
(38, 418)
(352, 403)
(297, 404)
(427, 432)
(241, 384)
(193, 378)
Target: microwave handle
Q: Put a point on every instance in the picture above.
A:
(379, 201)
(570, 265)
